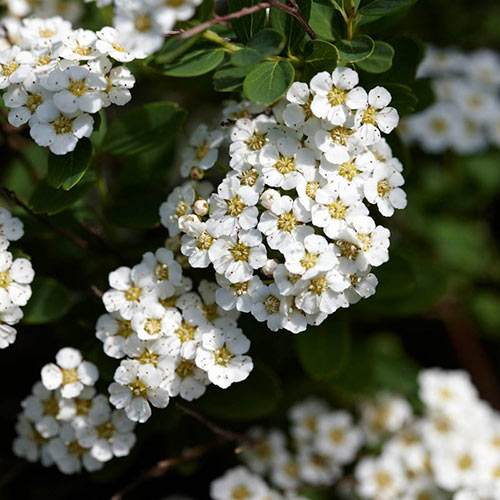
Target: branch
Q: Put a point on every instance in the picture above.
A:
(469, 350)
(292, 9)
(11, 195)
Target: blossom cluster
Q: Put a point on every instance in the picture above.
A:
(64, 422)
(447, 451)
(18, 9)
(288, 230)
(172, 340)
(465, 117)
(56, 77)
(144, 23)
(16, 274)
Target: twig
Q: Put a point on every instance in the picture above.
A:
(292, 9)
(11, 195)
(164, 465)
(464, 338)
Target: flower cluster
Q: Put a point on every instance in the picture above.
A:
(16, 274)
(288, 231)
(449, 451)
(173, 341)
(466, 114)
(144, 23)
(64, 422)
(18, 9)
(57, 77)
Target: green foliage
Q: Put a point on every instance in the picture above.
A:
(65, 171)
(355, 50)
(288, 25)
(380, 59)
(195, 63)
(49, 302)
(319, 55)
(143, 128)
(266, 43)
(326, 21)
(268, 81)
(247, 26)
(229, 78)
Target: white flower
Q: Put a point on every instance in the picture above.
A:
(237, 257)
(269, 305)
(79, 45)
(36, 32)
(304, 417)
(298, 111)
(11, 228)
(221, 355)
(70, 373)
(29, 444)
(115, 332)
(383, 189)
(285, 471)
(335, 142)
(335, 95)
(235, 295)
(10, 315)
(197, 241)
(316, 468)
(269, 445)
(178, 203)
(184, 379)
(185, 340)
(15, 277)
(238, 483)
(363, 285)
(153, 320)
(14, 66)
(136, 385)
(111, 43)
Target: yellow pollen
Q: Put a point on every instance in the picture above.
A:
(355, 279)
(309, 260)
(118, 47)
(249, 177)
(153, 326)
(51, 407)
(138, 389)
(337, 436)
(291, 469)
(9, 68)
(5, 279)
(287, 222)
(181, 208)
(340, 135)
(82, 50)
(38, 438)
(348, 249)
(383, 188)
(240, 493)
(256, 142)
(62, 125)
(424, 495)
(438, 125)
(235, 206)
(33, 101)
(46, 33)
(311, 188)
(109, 85)
(222, 356)
(204, 241)
(76, 449)
(369, 116)
(240, 252)
(133, 294)
(383, 480)
(143, 23)
(495, 441)
(240, 288)
(125, 329)
(263, 450)
(475, 101)
(365, 240)
(70, 376)
(319, 460)
(161, 272)
(311, 423)
(285, 165)
(78, 87)
(169, 301)
(272, 304)
(148, 358)
(337, 209)
(464, 462)
(174, 3)
(496, 472)
(318, 285)
(105, 430)
(185, 368)
(442, 425)
(211, 312)
(336, 96)
(348, 170)
(43, 60)
(445, 393)
(83, 406)
(185, 332)
(201, 152)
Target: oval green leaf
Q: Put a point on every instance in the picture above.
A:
(268, 81)
(355, 50)
(378, 8)
(194, 63)
(380, 60)
(319, 55)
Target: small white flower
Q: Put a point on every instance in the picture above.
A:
(238, 483)
(114, 331)
(15, 278)
(184, 379)
(111, 43)
(235, 295)
(316, 468)
(153, 320)
(197, 241)
(79, 45)
(14, 66)
(178, 203)
(269, 305)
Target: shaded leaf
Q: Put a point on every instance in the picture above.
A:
(245, 27)
(195, 63)
(380, 60)
(355, 50)
(319, 55)
(288, 25)
(49, 302)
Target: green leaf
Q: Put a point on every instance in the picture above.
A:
(194, 63)
(266, 42)
(403, 98)
(144, 128)
(246, 27)
(380, 59)
(326, 22)
(47, 200)
(49, 302)
(319, 55)
(268, 81)
(256, 397)
(67, 170)
(173, 48)
(288, 25)
(379, 8)
(206, 10)
(229, 79)
(355, 50)
(486, 309)
(323, 351)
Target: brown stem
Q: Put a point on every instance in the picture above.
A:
(470, 352)
(292, 9)
(12, 196)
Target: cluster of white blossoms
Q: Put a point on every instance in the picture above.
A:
(288, 230)
(465, 117)
(64, 422)
(56, 77)
(16, 274)
(15, 10)
(172, 341)
(450, 450)
(144, 23)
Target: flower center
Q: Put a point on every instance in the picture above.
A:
(70, 376)
(148, 358)
(119, 48)
(235, 206)
(211, 312)
(9, 68)
(240, 252)
(240, 493)
(309, 260)
(240, 288)
(161, 272)
(63, 125)
(185, 332)
(185, 368)
(204, 241)
(464, 462)
(43, 60)
(168, 302)
(222, 356)
(256, 142)
(249, 177)
(51, 407)
(75, 449)
(439, 125)
(201, 152)
(133, 294)
(291, 469)
(365, 240)
(33, 101)
(340, 135)
(78, 87)
(311, 188)
(287, 222)
(348, 249)
(369, 116)
(82, 50)
(105, 430)
(5, 279)
(383, 480)
(383, 188)
(46, 33)
(181, 208)
(272, 304)
(125, 329)
(153, 326)
(174, 3)
(337, 436)
(285, 165)
(138, 389)
(143, 23)
(318, 285)
(348, 170)
(336, 96)
(337, 209)
(83, 406)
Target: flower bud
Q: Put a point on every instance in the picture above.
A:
(268, 197)
(200, 207)
(186, 220)
(269, 267)
(173, 243)
(196, 174)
